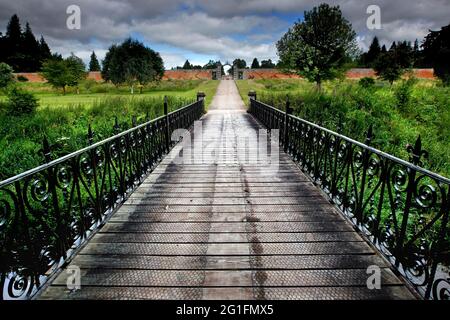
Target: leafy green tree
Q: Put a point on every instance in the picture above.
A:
(267, 64)
(318, 47)
(63, 73)
(131, 62)
(77, 70)
(6, 75)
(94, 65)
(388, 67)
(211, 65)
(436, 49)
(255, 64)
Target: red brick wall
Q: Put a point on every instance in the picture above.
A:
(356, 73)
(187, 74)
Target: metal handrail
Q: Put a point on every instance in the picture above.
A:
(364, 146)
(402, 208)
(51, 210)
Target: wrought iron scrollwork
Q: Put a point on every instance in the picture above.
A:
(48, 211)
(401, 207)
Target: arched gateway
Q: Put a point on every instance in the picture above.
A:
(237, 73)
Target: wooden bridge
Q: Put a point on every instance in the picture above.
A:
(227, 230)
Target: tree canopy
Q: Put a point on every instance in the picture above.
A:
(20, 49)
(66, 72)
(436, 49)
(94, 65)
(131, 62)
(318, 47)
(255, 64)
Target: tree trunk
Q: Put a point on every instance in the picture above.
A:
(132, 89)
(64, 90)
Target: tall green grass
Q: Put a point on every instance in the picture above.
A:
(399, 114)
(21, 137)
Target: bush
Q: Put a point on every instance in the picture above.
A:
(403, 94)
(21, 102)
(21, 78)
(367, 82)
(6, 75)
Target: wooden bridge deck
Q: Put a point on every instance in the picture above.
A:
(227, 230)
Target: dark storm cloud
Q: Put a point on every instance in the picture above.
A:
(222, 28)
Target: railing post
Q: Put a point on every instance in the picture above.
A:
(287, 112)
(365, 166)
(201, 97)
(62, 246)
(252, 97)
(167, 124)
(416, 153)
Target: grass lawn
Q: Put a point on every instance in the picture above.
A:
(64, 119)
(95, 92)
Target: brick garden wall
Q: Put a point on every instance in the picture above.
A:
(356, 73)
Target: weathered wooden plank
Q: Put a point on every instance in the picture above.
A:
(292, 262)
(194, 227)
(187, 249)
(223, 216)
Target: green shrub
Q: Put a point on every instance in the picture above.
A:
(367, 82)
(21, 102)
(21, 78)
(403, 94)
(6, 75)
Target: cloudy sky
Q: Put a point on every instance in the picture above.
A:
(200, 30)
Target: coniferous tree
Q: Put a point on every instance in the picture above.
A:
(94, 65)
(44, 50)
(255, 64)
(30, 51)
(13, 43)
(187, 65)
(374, 52)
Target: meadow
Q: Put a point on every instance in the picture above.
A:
(398, 113)
(64, 119)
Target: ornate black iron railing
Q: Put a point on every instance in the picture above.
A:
(402, 208)
(46, 213)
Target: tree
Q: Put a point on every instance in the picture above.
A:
(63, 73)
(77, 70)
(44, 50)
(267, 64)
(374, 52)
(21, 50)
(211, 65)
(319, 47)
(94, 65)
(187, 65)
(6, 75)
(436, 49)
(13, 43)
(131, 62)
(30, 51)
(387, 67)
(255, 64)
